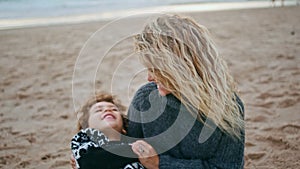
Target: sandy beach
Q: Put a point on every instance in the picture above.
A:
(46, 74)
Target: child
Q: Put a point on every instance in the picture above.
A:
(100, 127)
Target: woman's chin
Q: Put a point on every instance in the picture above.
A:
(163, 93)
(162, 90)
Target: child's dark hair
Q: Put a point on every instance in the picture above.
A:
(82, 122)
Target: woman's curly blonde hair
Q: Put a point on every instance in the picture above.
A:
(183, 57)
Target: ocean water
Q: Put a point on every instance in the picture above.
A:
(31, 13)
(20, 9)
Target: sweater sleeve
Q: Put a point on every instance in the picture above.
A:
(134, 127)
(139, 103)
(226, 157)
(229, 153)
(168, 162)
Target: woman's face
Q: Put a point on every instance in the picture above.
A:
(160, 87)
(105, 115)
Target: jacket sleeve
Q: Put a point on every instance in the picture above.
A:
(85, 139)
(92, 149)
(98, 157)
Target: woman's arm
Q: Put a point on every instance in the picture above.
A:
(219, 161)
(139, 103)
(229, 154)
(168, 162)
(220, 151)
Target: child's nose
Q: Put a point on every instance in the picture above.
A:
(108, 110)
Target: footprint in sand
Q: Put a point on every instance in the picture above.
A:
(290, 129)
(259, 118)
(256, 155)
(60, 163)
(278, 142)
(30, 137)
(287, 103)
(268, 94)
(266, 79)
(44, 84)
(22, 95)
(23, 164)
(52, 157)
(281, 56)
(249, 144)
(8, 159)
(267, 104)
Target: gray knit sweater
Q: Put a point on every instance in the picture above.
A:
(175, 133)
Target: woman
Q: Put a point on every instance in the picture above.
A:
(189, 80)
(98, 143)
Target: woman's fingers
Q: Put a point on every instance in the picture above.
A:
(143, 149)
(138, 149)
(146, 153)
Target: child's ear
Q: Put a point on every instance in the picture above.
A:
(124, 131)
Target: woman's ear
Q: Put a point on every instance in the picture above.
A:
(124, 131)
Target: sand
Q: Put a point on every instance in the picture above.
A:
(39, 65)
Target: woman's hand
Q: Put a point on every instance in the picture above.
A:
(72, 162)
(146, 153)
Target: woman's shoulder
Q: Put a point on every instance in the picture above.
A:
(141, 97)
(146, 89)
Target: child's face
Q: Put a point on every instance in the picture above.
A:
(105, 116)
